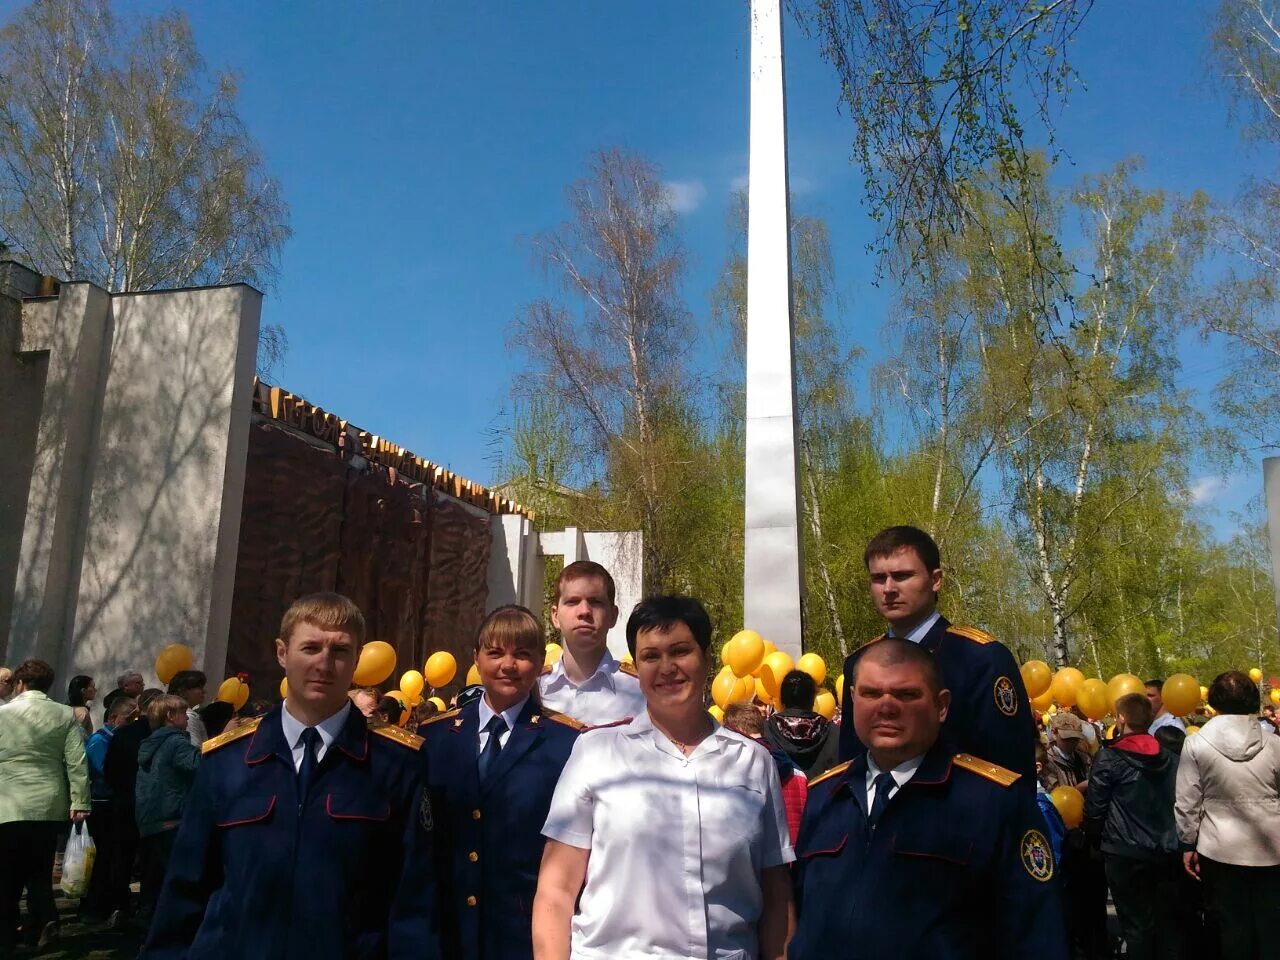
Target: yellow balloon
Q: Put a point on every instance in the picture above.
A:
(1255, 675)
(1275, 696)
(814, 666)
(1204, 692)
(284, 687)
(441, 668)
(229, 690)
(768, 649)
(438, 702)
(1066, 686)
(724, 655)
(1070, 804)
(411, 683)
(716, 712)
(243, 697)
(1036, 677)
(1043, 702)
(760, 692)
(1123, 684)
(377, 660)
(1181, 694)
(473, 676)
(776, 666)
(1094, 701)
(554, 653)
(825, 704)
(746, 650)
(840, 689)
(723, 688)
(173, 659)
(1192, 730)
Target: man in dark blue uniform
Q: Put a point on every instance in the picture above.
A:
(492, 767)
(307, 834)
(990, 715)
(913, 850)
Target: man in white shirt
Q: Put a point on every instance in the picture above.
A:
(588, 684)
(1163, 718)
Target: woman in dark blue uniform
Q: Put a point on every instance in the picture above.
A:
(492, 768)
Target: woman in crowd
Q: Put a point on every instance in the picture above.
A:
(492, 767)
(81, 692)
(1228, 816)
(682, 821)
(167, 762)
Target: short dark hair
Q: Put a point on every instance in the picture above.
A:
(76, 688)
(149, 694)
(1234, 693)
(895, 651)
(216, 716)
(120, 706)
(1135, 710)
(390, 707)
(35, 674)
(797, 691)
(1170, 738)
(185, 680)
(892, 539)
(1154, 683)
(664, 612)
(580, 569)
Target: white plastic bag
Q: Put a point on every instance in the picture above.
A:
(77, 862)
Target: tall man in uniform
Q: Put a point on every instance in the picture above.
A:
(492, 767)
(989, 714)
(588, 684)
(306, 834)
(913, 850)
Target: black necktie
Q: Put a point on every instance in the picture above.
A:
(493, 746)
(307, 769)
(884, 784)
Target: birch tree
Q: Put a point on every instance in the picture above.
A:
(124, 162)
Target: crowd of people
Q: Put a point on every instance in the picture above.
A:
(594, 809)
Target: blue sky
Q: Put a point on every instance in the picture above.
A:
(420, 145)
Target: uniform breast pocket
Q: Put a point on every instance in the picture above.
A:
(245, 811)
(734, 807)
(356, 807)
(934, 849)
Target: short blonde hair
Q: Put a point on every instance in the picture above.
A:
(332, 611)
(163, 707)
(511, 624)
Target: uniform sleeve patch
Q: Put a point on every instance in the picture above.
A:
(1037, 856)
(425, 818)
(1006, 696)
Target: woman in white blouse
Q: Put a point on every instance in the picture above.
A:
(681, 819)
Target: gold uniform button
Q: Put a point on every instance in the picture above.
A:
(471, 901)
(475, 814)
(473, 856)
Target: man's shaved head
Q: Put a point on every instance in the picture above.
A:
(894, 652)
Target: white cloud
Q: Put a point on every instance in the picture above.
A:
(1204, 489)
(685, 196)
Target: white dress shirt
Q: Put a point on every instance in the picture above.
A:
(487, 713)
(328, 729)
(606, 696)
(677, 843)
(917, 635)
(902, 773)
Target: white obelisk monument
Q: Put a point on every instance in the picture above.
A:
(771, 581)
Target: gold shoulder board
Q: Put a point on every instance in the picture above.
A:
(402, 737)
(874, 640)
(222, 739)
(835, 771)
(564, 718)
(442, 716)
(971, 633)
(627, 667)
(985, 768)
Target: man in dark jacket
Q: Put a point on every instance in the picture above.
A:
(1129, 807)
(809, 739)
